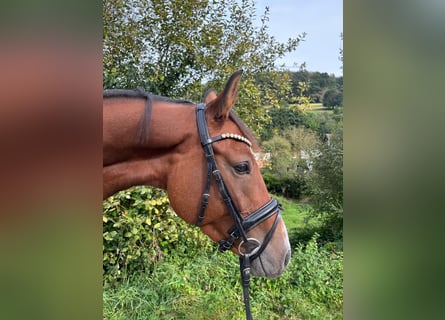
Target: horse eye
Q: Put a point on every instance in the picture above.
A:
(242, 168)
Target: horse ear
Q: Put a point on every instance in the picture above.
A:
(210, 96)
(220, 106)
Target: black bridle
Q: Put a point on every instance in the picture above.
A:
(242, 225)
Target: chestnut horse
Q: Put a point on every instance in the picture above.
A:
(155, 141)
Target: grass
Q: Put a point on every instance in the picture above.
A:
(206, 285)
(319, 108)
(294, 214)
(313, 106)
(298, 219)
(209, 288)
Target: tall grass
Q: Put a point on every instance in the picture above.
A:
(208, 287)
(197, 282)
(295, 215)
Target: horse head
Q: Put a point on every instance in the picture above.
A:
(229, 193)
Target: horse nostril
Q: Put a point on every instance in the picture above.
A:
(287, 258)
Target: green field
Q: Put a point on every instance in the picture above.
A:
(294, 214)
(314, 107)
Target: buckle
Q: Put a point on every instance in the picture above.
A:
(225, 245)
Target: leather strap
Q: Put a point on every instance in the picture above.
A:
(242, 226)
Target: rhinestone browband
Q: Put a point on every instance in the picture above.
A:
(236, 137)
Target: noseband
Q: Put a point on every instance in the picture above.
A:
(242, 225)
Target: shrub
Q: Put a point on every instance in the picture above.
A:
(328, 227)
(290, 187)
(140, 228)
(208, 287)
(319, 273)
(325, 184)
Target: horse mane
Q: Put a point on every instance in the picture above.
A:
(144, 122)
(141, 93)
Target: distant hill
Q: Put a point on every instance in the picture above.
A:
(319, 83)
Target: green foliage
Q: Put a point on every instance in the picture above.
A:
(291, 155)
(291, 187)
(281, 119)
(325, 185)
(171, 48)
(200, 283)
(208, 287)
(319, 82)
(289, 175)
(280, 154)
(333, 98)
(326, 180)
(284, 118)
(323, 122)
(139, 229)
(294, 213)
(280, 175)
(302, 224)
(319, 273)
(302, 100)
(190, 288)
(328, 229)
(302, 140)
(276, 87)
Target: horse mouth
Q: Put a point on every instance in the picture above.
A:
(269, 268)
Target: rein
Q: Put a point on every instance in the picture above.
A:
(242, 225)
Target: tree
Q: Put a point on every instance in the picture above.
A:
(325, 184)
(291, 155)
(280, 155)
(281, 119)
(304, 142)
(280, 174)
(333, 98)
(173, 47)
(276, 87)
(340, 57)
(318, 83)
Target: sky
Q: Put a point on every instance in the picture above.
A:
(322, 20)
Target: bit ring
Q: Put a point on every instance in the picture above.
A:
(255, 250)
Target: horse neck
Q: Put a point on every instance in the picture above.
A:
(129, 162)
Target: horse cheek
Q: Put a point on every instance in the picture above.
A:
(184, 195)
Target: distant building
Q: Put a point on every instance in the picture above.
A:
(262, 158)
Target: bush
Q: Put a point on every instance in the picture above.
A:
(208, 287)
(319, 273)
(289, 187)
(140, 228)
(325, 186)
(329, 230)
